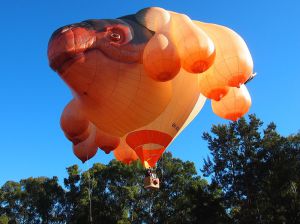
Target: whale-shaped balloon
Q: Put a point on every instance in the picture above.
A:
(139, 80)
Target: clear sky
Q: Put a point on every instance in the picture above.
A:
(32, 96)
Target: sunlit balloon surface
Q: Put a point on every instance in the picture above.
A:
(139, 80)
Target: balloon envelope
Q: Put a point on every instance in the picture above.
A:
(136, 80)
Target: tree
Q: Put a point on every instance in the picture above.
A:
(114, 193)
(33, 200)
(118, 187)
(184, 194)
(4, 219)
(257, 172)
(11, 206)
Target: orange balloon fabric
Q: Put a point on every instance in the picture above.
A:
(74, 123)
(160, 58)
(233, 62)
(86, 149)
(234, 105)
(124, 153)
(106, 142)
(212, 86)
(150, 141)
(149, 145)
(139, 80)
(195, 47)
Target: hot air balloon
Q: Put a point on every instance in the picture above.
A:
(139, 80)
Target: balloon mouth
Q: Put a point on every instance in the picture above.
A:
(61, 63)
(142, 138)
(149, 145)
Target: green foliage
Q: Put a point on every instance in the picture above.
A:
(258, 172)
(114, 193)
(33, 200)
(4, 219)
(119, 197)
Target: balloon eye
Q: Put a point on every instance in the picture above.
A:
(115, 36)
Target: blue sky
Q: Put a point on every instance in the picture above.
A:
(32, 96)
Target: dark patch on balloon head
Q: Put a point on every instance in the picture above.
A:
(99, 25)
(142, 33)
(142, 15)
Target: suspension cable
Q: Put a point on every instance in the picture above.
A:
(162, 166)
